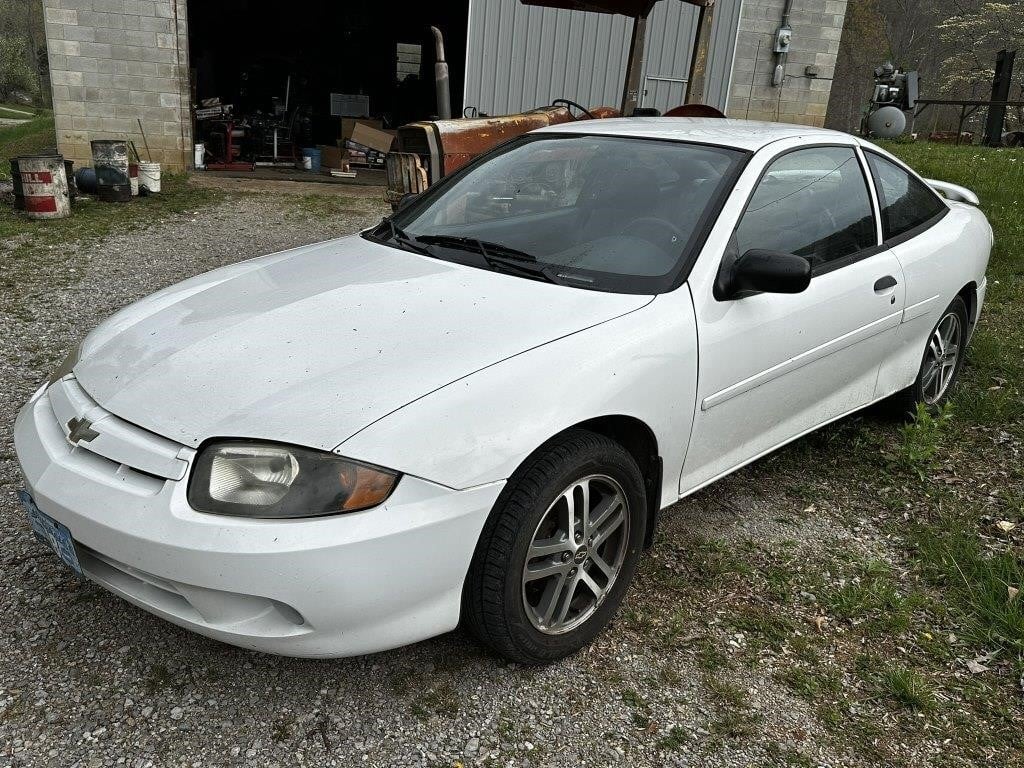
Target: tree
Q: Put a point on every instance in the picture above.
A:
(973, 39)
(863, 47)
(21, 21)
(15, 71)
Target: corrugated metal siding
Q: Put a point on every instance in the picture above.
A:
(723, 52)
(520, 57)
(670, 29)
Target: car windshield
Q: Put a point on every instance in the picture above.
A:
(600, 212)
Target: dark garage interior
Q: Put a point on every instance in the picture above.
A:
(243, 55)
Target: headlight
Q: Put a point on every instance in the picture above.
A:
(68, 365)
(249, 479)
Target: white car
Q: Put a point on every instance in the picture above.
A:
(475, 411)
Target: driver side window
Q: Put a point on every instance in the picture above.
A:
(813, 203)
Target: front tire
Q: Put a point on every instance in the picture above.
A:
(559, 550)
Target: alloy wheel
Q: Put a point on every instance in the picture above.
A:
(576, 554)
(941, 358)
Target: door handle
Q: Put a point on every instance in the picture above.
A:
(885, 283)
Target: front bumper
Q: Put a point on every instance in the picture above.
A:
(324, 587)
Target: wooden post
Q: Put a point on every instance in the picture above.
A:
(634, 66)
(699, 62)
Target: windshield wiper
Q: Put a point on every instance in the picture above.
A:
(496, 255)
(399, 235)
(484, 247)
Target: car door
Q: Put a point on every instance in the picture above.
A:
(774, 366)
(919, 230)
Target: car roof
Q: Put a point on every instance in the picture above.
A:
(749, 135)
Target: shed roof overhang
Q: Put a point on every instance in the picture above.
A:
(632, 8)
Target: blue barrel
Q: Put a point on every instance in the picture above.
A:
(85, 178)
(314, 158)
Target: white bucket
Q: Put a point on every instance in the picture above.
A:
(305, 164)
(200, 156)
(149, 177)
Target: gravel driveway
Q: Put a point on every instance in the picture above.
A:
(88, 680)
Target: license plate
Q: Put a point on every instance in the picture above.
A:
(55, 534)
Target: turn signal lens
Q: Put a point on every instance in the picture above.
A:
(266, 480)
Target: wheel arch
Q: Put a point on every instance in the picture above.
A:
(639, 439)
(969, 293)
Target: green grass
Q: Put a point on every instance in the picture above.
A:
(953, 549)
(28, 138)
(675, 739)
(976, 581)
(909, 688)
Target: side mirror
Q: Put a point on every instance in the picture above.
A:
(759, 271)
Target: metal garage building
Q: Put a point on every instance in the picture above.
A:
(521, 56)
(114, 62)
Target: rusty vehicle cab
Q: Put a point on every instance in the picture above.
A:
(427, 151)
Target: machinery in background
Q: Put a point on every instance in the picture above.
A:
(896, 93)
(241, 142)
(427, 151)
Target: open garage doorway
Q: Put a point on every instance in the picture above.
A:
(277, 67)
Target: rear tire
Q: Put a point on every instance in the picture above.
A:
(539, 589)
(940, 364)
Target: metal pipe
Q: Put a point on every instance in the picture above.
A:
(441, 85)
(782, 37)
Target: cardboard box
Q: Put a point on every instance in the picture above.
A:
(371, 137)
(331, 157)
(360, 154)
(349, 123)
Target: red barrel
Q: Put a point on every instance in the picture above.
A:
(44, 187)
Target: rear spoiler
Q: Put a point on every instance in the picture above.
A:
(953, 191)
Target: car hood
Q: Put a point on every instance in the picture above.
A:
(311, 345)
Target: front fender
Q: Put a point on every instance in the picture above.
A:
(480, 428)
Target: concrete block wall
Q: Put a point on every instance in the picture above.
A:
(817, 28)
(114, 62)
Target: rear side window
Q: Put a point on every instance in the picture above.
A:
(906, 203)
(813, 203)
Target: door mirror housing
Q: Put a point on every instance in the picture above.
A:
(761, 271)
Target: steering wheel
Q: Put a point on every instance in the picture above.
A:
(645, 222)
(568, 103)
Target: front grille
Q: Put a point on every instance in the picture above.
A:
(104, 435)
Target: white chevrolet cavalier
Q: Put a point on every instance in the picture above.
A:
(476, 410)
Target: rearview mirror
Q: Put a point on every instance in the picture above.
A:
(760, 271)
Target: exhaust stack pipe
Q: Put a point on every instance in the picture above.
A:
(444, 99)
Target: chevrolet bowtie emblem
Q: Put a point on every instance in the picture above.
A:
(81, 430)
